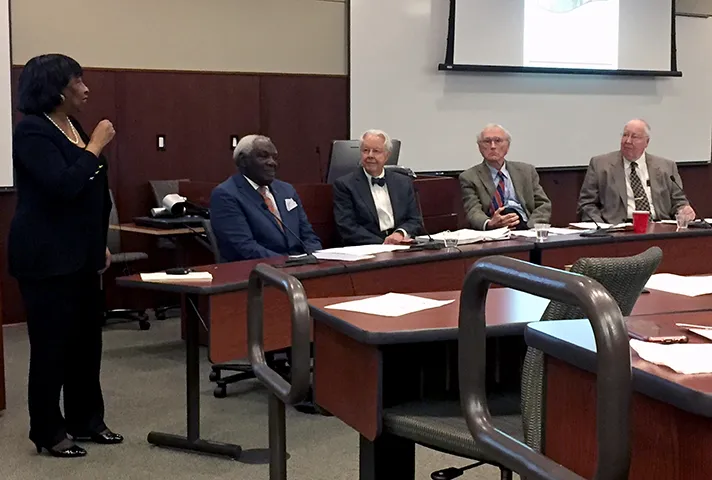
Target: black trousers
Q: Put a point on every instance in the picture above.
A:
(64, 326)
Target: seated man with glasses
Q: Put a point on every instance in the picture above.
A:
(630, 179)
(501, 193)
(373, 205)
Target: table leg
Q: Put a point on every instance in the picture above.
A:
(192, 441)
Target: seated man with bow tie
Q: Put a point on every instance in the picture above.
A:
(373, 205)
(621, 182)
(253, 215)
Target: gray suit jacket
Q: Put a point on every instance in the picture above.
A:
(604, 196)
(478, 189)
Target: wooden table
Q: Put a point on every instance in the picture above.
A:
(685, 252)
(351, 348)
(671, 413)
(156, 232)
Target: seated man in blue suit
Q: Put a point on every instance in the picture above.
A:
(373, 205)
(254, 215)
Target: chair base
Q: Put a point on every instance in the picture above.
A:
(162, 312)
(129, 315)
(243, 371)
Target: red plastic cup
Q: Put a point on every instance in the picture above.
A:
(640, 221)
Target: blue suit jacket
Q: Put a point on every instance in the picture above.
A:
(245, 228)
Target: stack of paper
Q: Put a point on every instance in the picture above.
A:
(466, 236)
(358, 252)
(692, 286)
(552, 231)
(593, 226)
(687, 358)
(188, 277)
(390, 305)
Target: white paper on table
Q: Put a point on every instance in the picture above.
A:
(593, 226)
(687, 358)
(466, 236)
(188, 277)
(691, 286)
(702, 332)
(390, 305)
(357, 252)
(552, 231)
(671, 222)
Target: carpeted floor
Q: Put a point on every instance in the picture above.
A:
(143, 378)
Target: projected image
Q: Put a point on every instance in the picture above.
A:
(571, 33)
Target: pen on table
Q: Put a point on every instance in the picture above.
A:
(690, 325)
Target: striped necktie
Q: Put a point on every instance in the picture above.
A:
(498, 198)
(270, 204)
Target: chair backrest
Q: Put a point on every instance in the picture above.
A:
(161, 188)
(624, 278)
(211, 241)
(113, 237)
(346, 156)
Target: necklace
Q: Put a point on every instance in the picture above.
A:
(71, 125)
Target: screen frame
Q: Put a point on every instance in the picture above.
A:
(450, 66)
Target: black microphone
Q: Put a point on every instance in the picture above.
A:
(431, 244)
(701, 223)
(452, 472)
(599, 231)
(308, 259)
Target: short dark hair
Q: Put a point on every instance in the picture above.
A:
(42, 80)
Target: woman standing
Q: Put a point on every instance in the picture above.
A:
(57, 250)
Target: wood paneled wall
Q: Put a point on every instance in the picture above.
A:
(198, 112)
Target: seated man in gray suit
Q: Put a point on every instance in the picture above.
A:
(500, 193)
(621, 182)
(373, 205)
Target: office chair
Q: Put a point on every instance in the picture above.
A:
(440, 425)
(242, 370)
(123, 260)
(345, 157)
(161, 188)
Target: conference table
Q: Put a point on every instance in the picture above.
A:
(214, 312)
(671, 421)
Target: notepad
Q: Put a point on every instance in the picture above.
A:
(687, 358)
(188, 277)
(691, 286)
(390, 305)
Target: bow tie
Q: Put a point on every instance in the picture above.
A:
(378, 181)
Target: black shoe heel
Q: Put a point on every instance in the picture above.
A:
(71, 451)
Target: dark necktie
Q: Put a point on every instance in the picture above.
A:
(498, 198)
(381, 182)
(641, 198)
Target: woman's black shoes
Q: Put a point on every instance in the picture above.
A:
(64, 449)
(107, 437)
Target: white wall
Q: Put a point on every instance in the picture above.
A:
(286, 36)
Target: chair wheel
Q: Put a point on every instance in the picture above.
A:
(214, 376)
(220, 392)
(144, 324)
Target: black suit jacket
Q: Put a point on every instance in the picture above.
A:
(355, 212)
(63, 204)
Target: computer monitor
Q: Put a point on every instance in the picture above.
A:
(346, 156)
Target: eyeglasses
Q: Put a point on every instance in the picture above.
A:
(633, 137)
(374, 151)
(490, 140)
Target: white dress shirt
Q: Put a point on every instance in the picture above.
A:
(382, 200)
(267, 192)
(642, 171)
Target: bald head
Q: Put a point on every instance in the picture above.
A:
(635, 139)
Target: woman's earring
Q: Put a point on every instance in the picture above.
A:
(61, 97)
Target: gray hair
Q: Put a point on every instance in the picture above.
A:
(508, 135)
(246, 146)
(646, 125)
(388, 145)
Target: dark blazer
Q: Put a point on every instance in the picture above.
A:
(245, 228)
(63, 204)
(355, 211)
